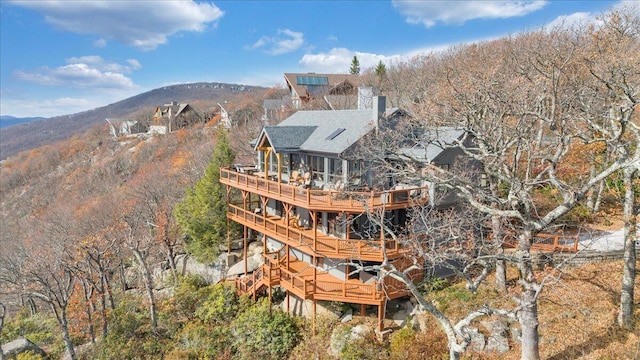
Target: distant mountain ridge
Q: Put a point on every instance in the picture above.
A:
(7, 120)
(28, 135)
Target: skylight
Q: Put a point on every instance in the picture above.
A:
(335, 134)
(312, 80)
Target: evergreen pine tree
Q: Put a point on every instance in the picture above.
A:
(381, 73)
(202, 215)
(355, 66)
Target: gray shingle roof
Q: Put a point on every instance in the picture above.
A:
(287, 138)
(356, 123)
(433, 143)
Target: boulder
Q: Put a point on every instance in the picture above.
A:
(497, 341)
(400, 318)
(341, 335)
(18, 346)
(348, 316)
(251, 248)
(409, 307)
(238, 268)
(211, 273)
(478, 342)
(258, 250)
(359, 332)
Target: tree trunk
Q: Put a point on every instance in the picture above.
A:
(596, 204)
(65, 334)
(501, 274)
(3, 311)
(103, 312)
(528, 316)
(501, 266)
(89, 309)
(625, 316)
(171, 257)
(454, 347)
(107, 289)
(148, 282)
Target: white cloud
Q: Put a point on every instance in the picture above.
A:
(429, 13)
(100, 43)
(84, 72)
(46, 108)
(285, 42)
(573, 20)
(338, 60)
(141, 24)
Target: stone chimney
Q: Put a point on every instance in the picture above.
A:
(378, 109)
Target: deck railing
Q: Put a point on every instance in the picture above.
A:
(549, 242)
(322, 244)
(324, 199)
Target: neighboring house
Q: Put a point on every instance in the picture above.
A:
(313, 201)
(125, 127)
(335, 91)
(173, 116)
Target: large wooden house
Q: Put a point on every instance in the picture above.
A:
(331, 91)
(173, 116)
(310, 205)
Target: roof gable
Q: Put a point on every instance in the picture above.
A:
(284, 138)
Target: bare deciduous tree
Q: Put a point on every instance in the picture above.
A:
(526, 105)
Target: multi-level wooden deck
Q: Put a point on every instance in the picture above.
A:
(324, 200)
(301, 278)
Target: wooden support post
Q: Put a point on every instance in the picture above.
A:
(288, 303)
(267, 154)
(245, 249)
(381, 316)
(313, 321)
(363, 309)
(228, 236)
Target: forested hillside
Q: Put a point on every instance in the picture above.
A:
(92, 225)
(204, 96)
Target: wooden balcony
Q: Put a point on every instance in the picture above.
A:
(548, 243)
(324, 200)
(299, 278)
(314, 242)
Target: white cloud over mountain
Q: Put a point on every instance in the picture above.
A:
(84, 72)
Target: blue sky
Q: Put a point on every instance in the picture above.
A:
(60, 57)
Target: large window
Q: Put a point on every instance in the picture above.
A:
(273, 163)
(317, 167)
(335, 170)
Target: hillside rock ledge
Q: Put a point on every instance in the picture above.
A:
(18, 346)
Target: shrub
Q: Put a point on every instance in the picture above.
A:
(221, 304)
(261, 333)
(39, 329)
